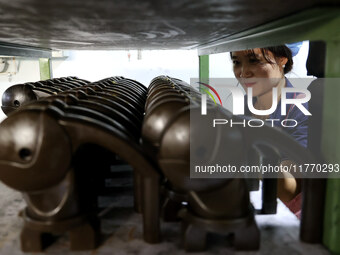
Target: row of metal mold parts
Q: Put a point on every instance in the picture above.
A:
(141, 126)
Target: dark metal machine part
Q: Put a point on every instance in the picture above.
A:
(205, 211)
(16, 96)
(21, 94)
(105, 109)
(314, 206)
(57, 195)
(135, 24)
(108, 100)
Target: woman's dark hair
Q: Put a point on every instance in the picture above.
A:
(278, 51)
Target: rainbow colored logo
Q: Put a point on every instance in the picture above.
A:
(206, 90)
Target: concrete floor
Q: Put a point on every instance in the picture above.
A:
(123, 230)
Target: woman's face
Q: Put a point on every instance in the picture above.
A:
(253, 70)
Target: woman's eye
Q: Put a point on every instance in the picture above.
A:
(254, 60)
(235, 62)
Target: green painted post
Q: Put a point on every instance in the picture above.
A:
(204, 68)
(45, 68)
(331, 147)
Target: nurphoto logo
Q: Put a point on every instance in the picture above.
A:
(239, 104)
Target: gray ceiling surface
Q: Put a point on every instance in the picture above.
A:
(132, 24)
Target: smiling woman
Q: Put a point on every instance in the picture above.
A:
(263, 69)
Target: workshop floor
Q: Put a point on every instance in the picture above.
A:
(123, 230)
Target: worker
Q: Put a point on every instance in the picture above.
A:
(263, 69)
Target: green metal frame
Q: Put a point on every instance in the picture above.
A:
(45, 68)
(314, 24)
(15, 50)
(331, 146)
(204, 68)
